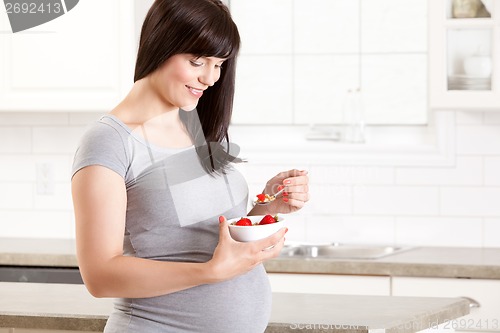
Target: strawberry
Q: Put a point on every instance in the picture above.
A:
(261, 197)
(268, 219)
(244, 222)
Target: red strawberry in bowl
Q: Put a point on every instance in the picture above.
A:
(261, 197)
(244, 222)
(268, 219)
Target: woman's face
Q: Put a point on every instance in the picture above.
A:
(181, 80)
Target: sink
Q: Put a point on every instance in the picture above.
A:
(340, 251)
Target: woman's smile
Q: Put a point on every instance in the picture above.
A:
(196, 92)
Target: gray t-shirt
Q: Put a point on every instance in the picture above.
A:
(173, 207)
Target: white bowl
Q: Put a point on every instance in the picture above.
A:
(254, 232)
(478, 66)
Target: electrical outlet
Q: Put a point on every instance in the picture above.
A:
(45, 179)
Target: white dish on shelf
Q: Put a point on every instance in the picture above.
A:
(468, 82)
(468, 77)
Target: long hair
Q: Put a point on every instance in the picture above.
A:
(202, 28)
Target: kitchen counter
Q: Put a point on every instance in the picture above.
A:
(24, 305)
(446, 262)
(38, 252)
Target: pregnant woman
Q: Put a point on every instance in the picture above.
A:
(154, 181)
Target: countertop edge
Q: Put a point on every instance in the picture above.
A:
(38, 259)
(52, 322)
(377, 268)
(421, 323)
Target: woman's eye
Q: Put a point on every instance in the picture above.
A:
(195, 63)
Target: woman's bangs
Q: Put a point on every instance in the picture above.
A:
(218, 40)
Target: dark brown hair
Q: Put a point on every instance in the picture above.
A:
(202, 28)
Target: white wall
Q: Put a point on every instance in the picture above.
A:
(442, 206)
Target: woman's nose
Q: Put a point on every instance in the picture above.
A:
(209, 77)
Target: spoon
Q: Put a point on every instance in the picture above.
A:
(271, 198)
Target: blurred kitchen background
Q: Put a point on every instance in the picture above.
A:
(424, 170)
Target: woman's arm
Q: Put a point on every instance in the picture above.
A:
(100, 200)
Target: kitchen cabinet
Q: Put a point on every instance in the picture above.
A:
(484, 316)
(81, 61)
(304, 57)
(330, 284)
(464, 55)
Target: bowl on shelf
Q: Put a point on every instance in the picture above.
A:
(255, 231)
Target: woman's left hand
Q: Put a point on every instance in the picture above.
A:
(296, 194)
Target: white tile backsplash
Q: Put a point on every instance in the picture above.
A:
(478, 140)
(492, 118)
(453, 206)
(15, 140)
(492, 171)
(23, 168)
(352, 174)
(438, 231)
(84, 118)
(60, 199)
(470, 201)
(36, 224)
(467, 171)
(18, 168)
(297, 227)
(491, 232)
(33, 118)
(396, 200)
(16, 195)
(330, 199)
(50, 140)
(351, 230)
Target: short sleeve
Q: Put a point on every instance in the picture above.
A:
(101, 145)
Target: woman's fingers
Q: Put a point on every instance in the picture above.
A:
(271, 246)
(232, 258)
(273, 251)
(294, 202)
(223, 228)
(271, 240)
(291, 173)
(299, 180)
(297, 189)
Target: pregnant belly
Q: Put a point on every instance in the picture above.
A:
(242, 304)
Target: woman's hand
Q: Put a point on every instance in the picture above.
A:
(296, 194)
(232, 258)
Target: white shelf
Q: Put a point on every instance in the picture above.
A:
(451, 41)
